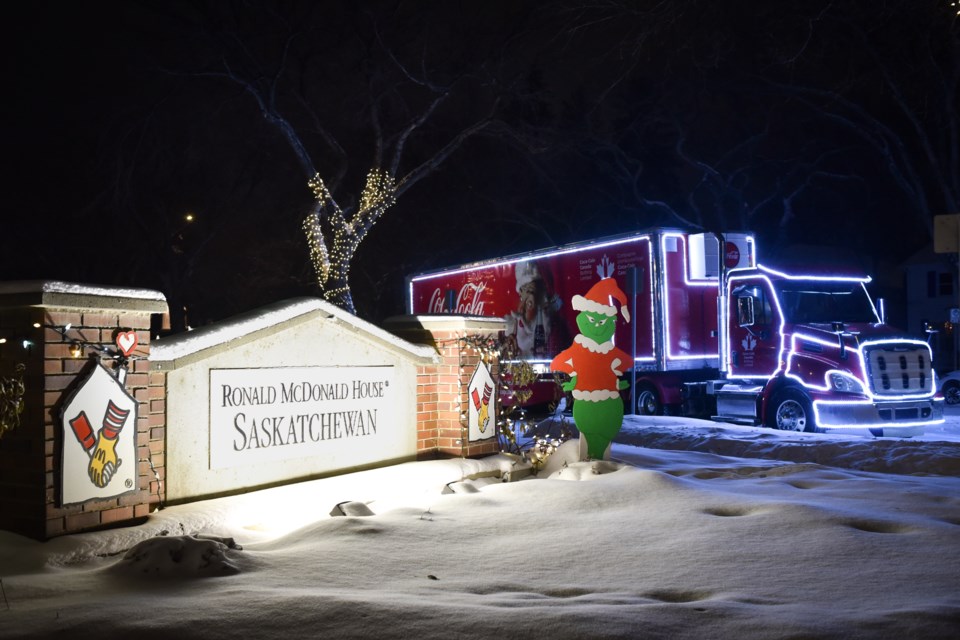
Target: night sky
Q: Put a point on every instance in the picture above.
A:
(828, 129)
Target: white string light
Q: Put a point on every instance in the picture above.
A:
(517, 375)
(333, 237)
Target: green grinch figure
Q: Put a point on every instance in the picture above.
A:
(595, 366)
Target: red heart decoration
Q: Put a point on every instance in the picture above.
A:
(127, 342)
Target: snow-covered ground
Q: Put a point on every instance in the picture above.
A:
(693, 530)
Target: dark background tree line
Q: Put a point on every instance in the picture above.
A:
(503, 127)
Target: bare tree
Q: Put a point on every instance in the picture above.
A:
(911, 53)
(405, 103)
(768, 111)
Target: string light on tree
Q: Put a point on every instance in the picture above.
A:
(311, 225)
(333, 236)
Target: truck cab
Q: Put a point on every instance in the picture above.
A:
(810, 353)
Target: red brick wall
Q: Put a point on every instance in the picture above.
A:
(30, 454)
(442, 394)
(100, 328)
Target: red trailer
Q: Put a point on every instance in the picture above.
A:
(712, 333)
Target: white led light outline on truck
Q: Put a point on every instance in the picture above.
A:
(525, 258)
(860, 425)
(864, 385)
(708, 282)
(784, 362)
(726, 333)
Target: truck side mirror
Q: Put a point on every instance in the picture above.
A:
(745, 311)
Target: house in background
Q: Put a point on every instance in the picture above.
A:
(932, 297)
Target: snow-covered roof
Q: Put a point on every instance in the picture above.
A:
(241, 326)
(70, 294)
(57, 286)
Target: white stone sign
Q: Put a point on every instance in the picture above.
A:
(282, 413)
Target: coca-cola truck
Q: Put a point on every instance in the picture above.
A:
(713, 333)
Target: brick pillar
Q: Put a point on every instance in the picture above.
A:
(442, 388)
(33, 321)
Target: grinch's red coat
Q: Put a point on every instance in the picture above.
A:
(597, 367)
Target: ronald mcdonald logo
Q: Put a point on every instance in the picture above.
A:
(99, 424)
(480, 415)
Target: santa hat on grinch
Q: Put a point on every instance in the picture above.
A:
(598, 300)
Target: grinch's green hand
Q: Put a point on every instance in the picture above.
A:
(568, 386)
(623, 384)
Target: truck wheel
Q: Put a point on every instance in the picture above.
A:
(648, 401)
(791, 410)
(951, 392)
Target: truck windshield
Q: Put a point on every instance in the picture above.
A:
(813, 301)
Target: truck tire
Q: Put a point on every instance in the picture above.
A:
(648, 401)
(791, 410)
(951, 392)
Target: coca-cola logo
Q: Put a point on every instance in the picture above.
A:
(467, 301)
(731, 255)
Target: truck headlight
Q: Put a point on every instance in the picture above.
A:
(844, 383)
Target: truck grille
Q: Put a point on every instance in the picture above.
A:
(896, 370)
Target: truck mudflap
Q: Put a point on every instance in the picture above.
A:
(902, 418)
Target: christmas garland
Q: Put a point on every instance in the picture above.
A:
(513, 424)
